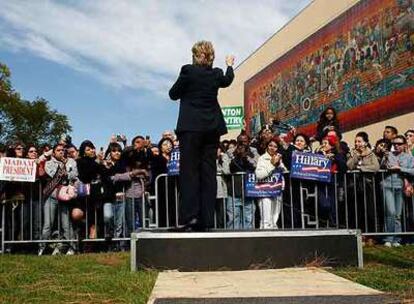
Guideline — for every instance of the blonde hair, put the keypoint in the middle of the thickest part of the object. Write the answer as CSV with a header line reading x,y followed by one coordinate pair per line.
x,y
203,53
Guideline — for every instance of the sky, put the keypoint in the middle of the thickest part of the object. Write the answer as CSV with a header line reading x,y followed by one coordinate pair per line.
x,y
108,65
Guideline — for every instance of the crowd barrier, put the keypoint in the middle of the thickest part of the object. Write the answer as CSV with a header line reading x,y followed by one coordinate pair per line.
x,y
354,200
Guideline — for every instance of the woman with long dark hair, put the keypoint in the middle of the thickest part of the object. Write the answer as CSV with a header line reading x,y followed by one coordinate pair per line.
x,y
199,127
164,194
328,121
91,172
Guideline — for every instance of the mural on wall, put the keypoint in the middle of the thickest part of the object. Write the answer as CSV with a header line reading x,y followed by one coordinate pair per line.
x,y
361,63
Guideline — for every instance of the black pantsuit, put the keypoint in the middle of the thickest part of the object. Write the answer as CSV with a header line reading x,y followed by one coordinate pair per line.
x,y
199,127
198,176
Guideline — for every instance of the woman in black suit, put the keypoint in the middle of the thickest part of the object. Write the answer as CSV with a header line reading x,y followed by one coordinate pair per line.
x,y
199,127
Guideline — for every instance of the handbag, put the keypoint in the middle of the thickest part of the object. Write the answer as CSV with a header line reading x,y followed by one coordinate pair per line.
x,y
66,193
408,188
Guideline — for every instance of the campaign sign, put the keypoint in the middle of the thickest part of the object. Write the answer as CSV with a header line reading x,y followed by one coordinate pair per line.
x,y
311,166
271,186
17,169
173,165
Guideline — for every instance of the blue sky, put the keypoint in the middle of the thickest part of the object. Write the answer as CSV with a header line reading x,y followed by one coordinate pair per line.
x,y
108,65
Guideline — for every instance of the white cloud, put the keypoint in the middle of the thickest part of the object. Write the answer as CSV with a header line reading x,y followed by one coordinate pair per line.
x,y
138,44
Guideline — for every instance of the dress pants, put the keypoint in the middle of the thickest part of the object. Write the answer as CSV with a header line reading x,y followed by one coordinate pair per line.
x,y
198,184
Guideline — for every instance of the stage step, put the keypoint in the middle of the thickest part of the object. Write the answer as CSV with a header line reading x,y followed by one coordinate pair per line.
x,y
241,250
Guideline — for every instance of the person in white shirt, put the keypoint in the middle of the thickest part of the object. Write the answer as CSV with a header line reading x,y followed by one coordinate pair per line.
x,y
267,164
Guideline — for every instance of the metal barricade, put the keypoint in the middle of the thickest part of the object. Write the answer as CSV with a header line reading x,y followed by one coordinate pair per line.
x,y
33,220
354,200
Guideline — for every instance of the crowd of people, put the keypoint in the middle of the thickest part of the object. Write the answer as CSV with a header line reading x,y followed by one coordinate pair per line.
x,y
84,193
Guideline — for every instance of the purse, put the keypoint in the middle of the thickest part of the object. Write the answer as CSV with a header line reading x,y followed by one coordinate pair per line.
x,y
66,193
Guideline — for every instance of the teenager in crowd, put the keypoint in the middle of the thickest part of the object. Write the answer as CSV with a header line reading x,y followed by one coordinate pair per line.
x,y
409,135
267,164
232,145
158,167
221,198
240,209
400,166
362,159
382,149
390,132
72,151
18,221
114,194
328,121
225,145
33,194
301,143
53,204
264,136
331,149
137,159
91,172
199,127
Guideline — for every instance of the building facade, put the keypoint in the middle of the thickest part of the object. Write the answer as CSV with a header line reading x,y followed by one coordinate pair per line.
x,y
356,56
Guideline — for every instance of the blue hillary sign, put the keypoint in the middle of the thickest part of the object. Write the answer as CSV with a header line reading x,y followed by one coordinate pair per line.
x,y
271,186
311,166
173,165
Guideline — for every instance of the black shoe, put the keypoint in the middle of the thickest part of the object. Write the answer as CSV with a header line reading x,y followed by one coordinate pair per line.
x,y
190,226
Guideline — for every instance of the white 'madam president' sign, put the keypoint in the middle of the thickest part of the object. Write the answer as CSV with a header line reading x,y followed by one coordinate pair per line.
x,y
17,169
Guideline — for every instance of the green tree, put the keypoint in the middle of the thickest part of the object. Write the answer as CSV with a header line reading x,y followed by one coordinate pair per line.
x,y
27,121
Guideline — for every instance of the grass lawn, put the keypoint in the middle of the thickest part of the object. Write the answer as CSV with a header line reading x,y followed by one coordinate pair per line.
x,y
105,278
86,278
387,269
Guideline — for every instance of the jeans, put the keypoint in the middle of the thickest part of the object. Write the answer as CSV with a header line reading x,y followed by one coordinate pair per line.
x,y
133,215
114,219
393,209
239,216
50,210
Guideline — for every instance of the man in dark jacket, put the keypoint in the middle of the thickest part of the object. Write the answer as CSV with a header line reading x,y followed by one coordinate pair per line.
x,y
199,127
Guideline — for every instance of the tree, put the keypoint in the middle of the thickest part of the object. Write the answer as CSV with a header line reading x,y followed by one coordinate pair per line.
x,y
27,121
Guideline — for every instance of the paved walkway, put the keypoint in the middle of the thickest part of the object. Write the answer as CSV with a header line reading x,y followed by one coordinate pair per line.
x,y
291,285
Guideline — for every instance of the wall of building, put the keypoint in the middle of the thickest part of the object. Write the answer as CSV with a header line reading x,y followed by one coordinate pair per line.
x,y
307,22
288,46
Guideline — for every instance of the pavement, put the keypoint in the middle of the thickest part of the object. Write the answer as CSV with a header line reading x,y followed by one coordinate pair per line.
x,y
279,286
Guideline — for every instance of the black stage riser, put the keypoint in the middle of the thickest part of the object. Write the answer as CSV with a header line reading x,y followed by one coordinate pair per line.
x,y
245,250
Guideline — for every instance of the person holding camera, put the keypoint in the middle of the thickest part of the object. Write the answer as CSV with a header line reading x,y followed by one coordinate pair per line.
x,y
57,163
199,127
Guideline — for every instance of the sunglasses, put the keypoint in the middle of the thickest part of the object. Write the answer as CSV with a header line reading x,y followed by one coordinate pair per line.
x,y
32,151
18,149
398,144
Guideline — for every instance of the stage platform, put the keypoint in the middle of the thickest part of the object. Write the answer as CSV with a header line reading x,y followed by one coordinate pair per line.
x,y
243,250
273,286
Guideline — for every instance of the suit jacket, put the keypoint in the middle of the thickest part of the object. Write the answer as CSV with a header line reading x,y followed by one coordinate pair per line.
x,y
197,88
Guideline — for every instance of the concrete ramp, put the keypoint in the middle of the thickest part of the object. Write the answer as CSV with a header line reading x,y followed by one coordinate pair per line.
x,y
290,285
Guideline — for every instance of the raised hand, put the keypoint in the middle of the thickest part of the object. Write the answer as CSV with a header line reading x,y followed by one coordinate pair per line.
x,y
229,60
